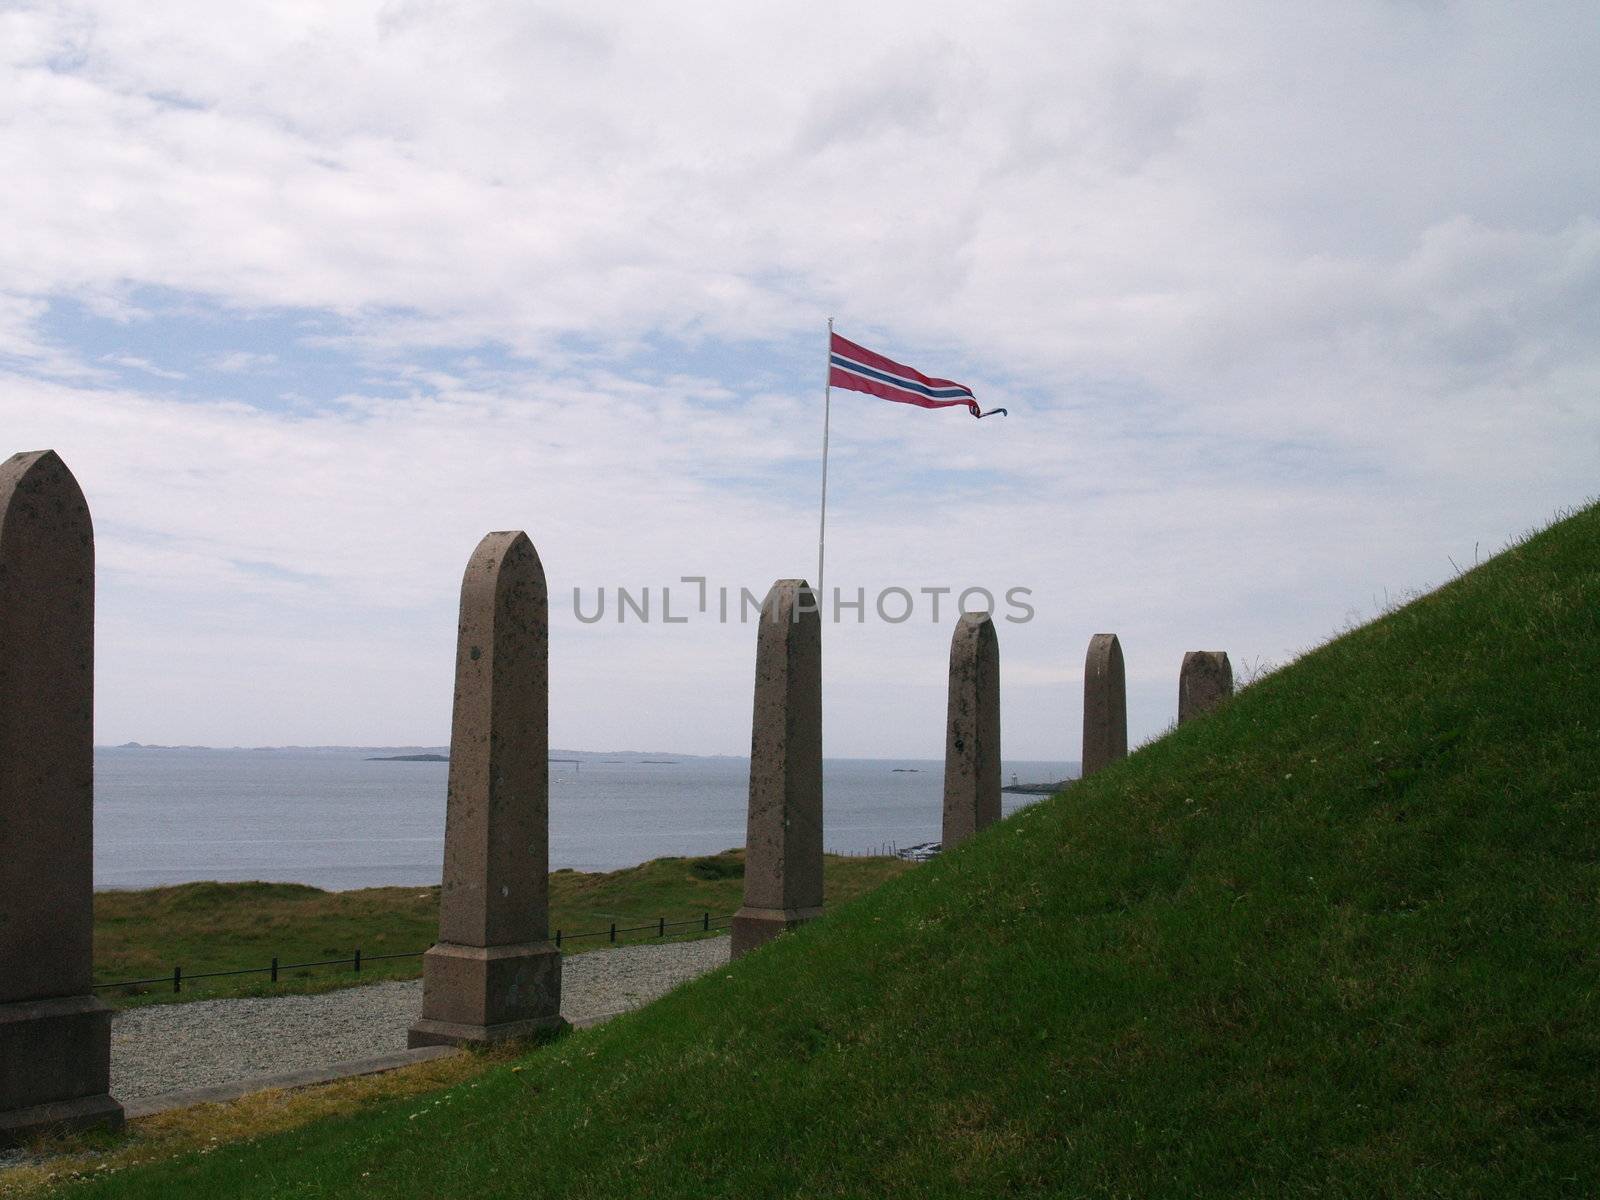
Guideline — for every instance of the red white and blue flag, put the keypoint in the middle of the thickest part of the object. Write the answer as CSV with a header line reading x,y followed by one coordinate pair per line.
x,y
862,370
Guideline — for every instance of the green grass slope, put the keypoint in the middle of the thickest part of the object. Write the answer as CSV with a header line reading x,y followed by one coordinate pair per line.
x,y
1339,938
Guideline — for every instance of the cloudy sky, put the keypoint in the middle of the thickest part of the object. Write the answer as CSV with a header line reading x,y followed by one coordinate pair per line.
x,y
1291,306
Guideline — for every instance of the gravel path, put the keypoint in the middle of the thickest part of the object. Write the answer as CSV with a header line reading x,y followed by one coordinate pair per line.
x,y
172,1047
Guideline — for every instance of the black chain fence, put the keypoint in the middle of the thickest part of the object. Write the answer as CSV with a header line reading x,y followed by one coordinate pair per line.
x,y
703,923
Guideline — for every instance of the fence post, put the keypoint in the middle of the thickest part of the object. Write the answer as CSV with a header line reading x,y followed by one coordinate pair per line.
x,y
661,929
558,939
358,960
613,931
705,923
177,979
274,968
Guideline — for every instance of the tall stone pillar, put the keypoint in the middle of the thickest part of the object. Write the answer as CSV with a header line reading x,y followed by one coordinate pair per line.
x,y
1204,682
493,974
1105,704
55,1036
972,730
783,841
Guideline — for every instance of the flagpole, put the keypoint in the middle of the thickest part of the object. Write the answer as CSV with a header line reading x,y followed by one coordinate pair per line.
x,y
827,408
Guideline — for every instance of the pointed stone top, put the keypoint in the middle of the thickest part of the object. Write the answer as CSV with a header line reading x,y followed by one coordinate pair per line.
x,y
504,558
501,545
33,456
38,473
1105,653
974,633
41,505
790,600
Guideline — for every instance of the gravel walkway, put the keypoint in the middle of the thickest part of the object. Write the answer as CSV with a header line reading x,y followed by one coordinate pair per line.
x,y
172,1047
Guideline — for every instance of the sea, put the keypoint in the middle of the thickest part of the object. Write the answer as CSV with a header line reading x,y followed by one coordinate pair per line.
x,y
337,818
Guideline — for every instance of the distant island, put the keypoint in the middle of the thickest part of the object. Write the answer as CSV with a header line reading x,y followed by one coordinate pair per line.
x,y
411,758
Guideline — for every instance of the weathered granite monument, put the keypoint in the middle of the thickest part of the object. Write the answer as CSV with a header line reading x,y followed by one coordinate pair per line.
x,y
1105,704
55,1036
493,974
1205,681
972,730
783,841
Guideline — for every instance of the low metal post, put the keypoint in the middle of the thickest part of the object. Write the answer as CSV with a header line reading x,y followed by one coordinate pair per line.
x,y
358,960
558,939
177,979
613,931
705,923
274,968
661,928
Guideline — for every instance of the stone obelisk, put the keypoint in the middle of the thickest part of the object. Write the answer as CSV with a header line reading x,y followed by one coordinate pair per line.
x,y
493,974
55,1036
972,730
1105,704
783,842
1204,681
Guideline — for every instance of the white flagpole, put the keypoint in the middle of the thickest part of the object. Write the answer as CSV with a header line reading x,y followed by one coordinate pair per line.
x,y
827,407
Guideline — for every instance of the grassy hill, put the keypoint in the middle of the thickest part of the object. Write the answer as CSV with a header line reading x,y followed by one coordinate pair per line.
x,y
1340,938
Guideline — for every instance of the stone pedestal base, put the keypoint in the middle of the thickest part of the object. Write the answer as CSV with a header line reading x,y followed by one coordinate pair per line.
x,y
424,1032
55,1068
754,927
488,993
66,1116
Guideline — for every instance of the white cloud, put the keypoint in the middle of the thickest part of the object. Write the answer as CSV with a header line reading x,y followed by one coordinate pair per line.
x,y
1288,303
143,365
241,362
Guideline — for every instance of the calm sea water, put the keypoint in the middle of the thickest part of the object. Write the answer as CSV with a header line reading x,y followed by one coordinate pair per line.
x,y
332,819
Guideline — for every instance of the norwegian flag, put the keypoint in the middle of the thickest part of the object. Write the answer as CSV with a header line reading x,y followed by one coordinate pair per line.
x,y
862,370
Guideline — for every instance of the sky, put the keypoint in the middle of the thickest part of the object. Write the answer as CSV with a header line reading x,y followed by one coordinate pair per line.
x,y
1295,309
